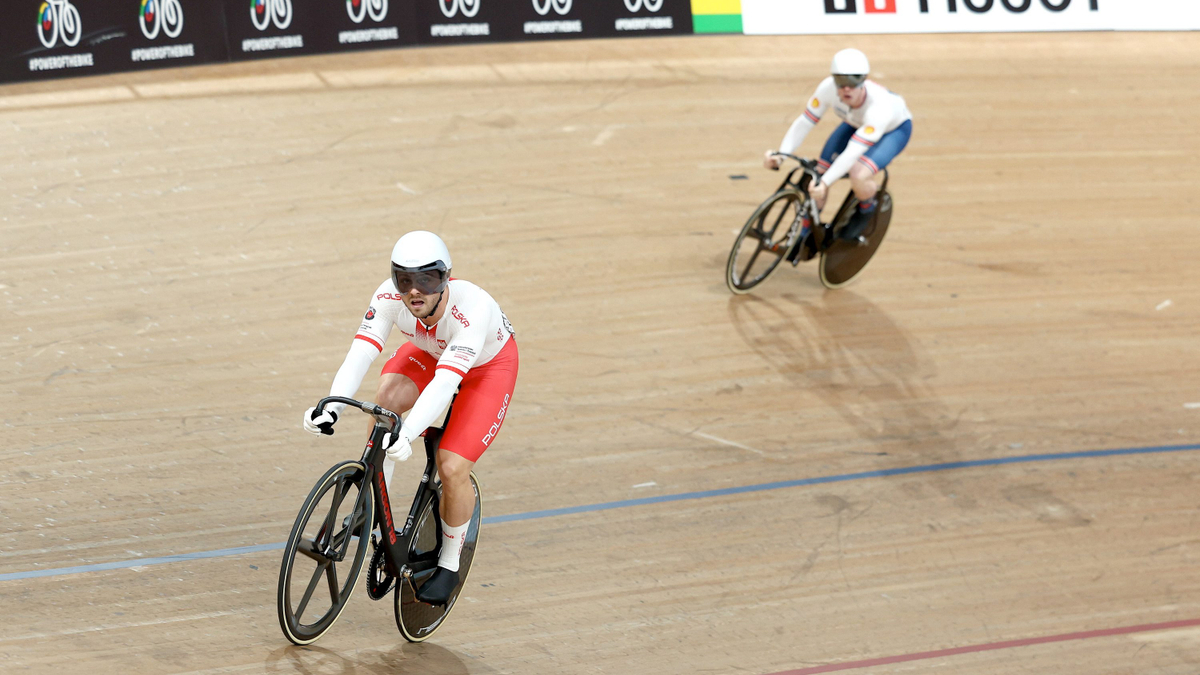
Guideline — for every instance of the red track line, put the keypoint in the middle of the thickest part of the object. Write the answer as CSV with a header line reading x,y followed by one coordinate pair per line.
x,y
990,646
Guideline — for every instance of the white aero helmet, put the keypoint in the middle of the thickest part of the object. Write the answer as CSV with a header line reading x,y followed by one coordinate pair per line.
x,y
849,68
420,259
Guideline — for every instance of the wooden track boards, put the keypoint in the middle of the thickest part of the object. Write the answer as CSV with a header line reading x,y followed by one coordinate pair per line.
x,y
185,255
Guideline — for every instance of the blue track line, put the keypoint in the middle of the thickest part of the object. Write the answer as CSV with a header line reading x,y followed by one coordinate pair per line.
x,y
645,501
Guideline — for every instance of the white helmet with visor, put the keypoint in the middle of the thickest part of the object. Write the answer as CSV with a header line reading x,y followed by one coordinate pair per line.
x,y
849,68
420,260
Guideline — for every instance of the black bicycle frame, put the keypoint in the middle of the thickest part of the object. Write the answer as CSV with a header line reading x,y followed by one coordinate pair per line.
x,y
397,543
809,169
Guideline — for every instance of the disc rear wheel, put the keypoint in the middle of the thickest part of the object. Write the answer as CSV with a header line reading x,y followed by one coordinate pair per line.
x,y
844,260
415,619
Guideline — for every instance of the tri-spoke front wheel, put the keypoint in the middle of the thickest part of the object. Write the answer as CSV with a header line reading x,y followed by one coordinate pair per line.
x,y
325,553
770,233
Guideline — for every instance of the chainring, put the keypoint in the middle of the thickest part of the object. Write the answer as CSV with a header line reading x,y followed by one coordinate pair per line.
x,y
379,582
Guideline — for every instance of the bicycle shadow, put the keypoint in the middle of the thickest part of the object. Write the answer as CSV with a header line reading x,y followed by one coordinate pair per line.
x,y
857,360
423,657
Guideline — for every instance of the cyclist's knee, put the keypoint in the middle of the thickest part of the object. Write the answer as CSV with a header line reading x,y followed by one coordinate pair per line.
x,y
860,174
396,393
453,469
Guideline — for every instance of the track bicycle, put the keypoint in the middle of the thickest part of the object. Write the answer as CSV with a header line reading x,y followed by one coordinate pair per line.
x,y
327,547
788,226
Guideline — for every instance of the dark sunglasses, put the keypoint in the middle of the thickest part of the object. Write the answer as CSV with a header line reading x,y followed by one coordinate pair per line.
x,y
849,80
428,279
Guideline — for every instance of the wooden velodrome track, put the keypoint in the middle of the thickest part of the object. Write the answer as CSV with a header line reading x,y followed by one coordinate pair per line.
x,y
185,256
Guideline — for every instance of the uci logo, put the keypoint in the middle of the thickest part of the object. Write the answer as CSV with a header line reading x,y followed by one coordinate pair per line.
x,y
359,9
560,6
59,18
450,7
650,5
263,12
166,15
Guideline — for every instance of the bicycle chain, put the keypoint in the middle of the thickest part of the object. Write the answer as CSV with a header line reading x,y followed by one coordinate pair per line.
x,y
377,589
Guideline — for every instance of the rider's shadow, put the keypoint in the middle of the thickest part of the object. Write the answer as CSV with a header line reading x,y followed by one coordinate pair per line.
x,y
842,348
424,658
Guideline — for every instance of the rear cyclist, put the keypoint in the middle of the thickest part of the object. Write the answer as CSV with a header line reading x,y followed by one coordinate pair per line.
x,y
458,338
876,126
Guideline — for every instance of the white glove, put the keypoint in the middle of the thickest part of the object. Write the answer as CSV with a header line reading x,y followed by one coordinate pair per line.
x,y
319,424
398,447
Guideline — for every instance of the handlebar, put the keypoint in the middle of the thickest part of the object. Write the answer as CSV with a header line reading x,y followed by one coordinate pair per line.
x,y
808,164
365,406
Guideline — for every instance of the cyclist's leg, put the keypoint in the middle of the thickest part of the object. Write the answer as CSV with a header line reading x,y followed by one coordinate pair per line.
x,y
479,411
834,146
876,158
862,176
404,377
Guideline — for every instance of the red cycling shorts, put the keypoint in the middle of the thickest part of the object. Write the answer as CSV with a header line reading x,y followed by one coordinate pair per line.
x,y
483,395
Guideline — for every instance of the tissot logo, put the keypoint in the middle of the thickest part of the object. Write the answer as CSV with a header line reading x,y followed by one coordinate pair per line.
x,y
977,6
59,19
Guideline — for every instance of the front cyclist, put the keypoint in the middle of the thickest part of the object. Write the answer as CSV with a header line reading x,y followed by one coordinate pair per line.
x,y
876,126
458,338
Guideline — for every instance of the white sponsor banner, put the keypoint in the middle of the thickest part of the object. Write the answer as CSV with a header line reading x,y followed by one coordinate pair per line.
x,y
767,17
1157,15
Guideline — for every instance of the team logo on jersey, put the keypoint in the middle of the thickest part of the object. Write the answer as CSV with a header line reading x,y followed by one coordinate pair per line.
x,y
441,344
869,130
459,315
370,314
816,103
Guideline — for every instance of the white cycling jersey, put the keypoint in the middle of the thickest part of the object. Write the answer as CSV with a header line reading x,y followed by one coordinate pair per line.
x,y
471,332
882,111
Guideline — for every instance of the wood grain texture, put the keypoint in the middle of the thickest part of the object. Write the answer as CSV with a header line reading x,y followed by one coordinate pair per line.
x,y
184,256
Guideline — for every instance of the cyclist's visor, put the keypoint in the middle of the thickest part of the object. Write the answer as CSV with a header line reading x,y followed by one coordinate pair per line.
x,y
428,279
849,80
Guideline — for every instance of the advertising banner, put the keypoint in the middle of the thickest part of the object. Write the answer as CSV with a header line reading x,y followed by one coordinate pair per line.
x,y
365,24
63,38
450,21
766,17
456,21
649,17
1158,15
260,29
557,19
